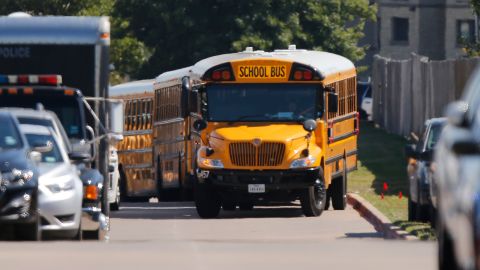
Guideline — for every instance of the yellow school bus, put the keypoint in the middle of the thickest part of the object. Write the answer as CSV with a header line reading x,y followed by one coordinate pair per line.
x,y
254,127
135,151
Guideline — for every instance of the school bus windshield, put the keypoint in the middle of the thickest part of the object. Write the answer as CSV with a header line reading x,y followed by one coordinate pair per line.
x,y
262,103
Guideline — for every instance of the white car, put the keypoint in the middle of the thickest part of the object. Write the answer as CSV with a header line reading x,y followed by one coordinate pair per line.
x,y
60,188
367,102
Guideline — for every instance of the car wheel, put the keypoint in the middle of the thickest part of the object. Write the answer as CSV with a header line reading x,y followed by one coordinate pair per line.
x,y
412,209
246,206
207,201
79,235
313,199
446,256
115,206
229,206
98,234
29,232
339,190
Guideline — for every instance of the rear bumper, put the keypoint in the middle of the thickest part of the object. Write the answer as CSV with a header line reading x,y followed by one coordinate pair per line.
x,y
273,180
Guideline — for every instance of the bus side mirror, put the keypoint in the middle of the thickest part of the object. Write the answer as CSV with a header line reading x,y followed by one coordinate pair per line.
x,y
193,102
309,125
186,89
332,102
199,125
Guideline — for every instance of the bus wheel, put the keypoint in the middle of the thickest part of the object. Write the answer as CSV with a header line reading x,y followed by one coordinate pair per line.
x,y
207,201
339,190
246,206
229,205
313,199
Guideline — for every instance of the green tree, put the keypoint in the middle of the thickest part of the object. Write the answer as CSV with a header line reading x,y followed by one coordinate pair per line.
x,y
181,32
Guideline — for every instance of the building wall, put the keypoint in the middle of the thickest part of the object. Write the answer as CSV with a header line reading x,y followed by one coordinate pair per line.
x,y
432,28
454,13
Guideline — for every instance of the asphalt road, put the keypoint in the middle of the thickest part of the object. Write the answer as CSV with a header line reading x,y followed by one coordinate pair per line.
x,y
171,236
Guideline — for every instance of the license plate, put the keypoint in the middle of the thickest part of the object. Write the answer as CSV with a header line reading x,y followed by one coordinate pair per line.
x,y
256,188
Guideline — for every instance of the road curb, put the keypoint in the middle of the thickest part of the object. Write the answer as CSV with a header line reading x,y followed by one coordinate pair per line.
x,y
379,221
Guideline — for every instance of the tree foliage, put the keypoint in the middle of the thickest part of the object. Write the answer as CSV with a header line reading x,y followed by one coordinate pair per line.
x,y
181,32
150,37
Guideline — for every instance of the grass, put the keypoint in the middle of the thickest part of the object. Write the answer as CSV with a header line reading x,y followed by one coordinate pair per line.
x,y
382,161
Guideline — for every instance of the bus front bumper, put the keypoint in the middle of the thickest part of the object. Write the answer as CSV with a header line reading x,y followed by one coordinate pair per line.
x,y
273,180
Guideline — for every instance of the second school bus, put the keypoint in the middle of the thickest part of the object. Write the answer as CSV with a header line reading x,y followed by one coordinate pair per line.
x,y
253,127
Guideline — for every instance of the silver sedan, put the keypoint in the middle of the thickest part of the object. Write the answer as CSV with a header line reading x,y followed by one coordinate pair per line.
x,y
60,188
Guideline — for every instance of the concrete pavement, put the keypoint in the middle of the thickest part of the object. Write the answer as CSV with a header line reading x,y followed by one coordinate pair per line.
x,y
169,235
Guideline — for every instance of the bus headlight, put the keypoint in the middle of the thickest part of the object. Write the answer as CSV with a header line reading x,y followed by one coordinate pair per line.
x,y
302,162
211,163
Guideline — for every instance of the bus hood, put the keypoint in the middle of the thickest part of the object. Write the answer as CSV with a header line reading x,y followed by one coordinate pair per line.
x,y
264,132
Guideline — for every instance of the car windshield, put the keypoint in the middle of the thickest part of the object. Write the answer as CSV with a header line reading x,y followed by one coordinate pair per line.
x,y
66,108
9,136
262,102
52,156
434,135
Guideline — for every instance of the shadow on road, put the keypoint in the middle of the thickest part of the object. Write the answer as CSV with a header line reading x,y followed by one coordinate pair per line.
x,y
186,210
362,235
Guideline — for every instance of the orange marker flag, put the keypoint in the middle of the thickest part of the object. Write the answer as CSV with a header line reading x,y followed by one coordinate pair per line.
x,y
385,186
400,195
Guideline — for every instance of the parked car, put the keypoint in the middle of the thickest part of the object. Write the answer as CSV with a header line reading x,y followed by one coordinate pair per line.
x,y
365,100
418,171
18,181
457,172
49,119
60,188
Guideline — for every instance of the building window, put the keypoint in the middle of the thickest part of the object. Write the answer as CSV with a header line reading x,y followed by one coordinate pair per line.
x,y
400,30
465,31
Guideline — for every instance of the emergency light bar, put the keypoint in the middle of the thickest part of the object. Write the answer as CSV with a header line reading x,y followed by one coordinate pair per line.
x,y
49,79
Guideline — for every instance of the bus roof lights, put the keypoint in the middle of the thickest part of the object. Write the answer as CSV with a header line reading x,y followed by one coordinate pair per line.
x,y
31,79
304,73
216,75
226,75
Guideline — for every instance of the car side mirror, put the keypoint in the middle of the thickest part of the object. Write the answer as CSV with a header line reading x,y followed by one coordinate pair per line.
x,y
199,125
456,113
410,151
309,125
35,156
332,102
78,156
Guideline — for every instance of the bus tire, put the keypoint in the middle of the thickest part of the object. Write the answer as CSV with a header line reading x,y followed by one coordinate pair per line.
x,y
313,199
339,190
207,200
229,206
246,206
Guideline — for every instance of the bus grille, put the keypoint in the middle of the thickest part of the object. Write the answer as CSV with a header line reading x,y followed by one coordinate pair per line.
x,y
247,154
